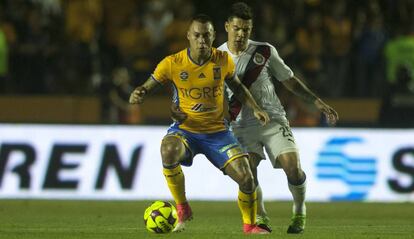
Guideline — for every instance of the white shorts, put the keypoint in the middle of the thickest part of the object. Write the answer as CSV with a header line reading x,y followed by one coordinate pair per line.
x,y
275,138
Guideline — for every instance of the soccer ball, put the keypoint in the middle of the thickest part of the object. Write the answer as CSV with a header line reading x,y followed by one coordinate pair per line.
x,y
160,217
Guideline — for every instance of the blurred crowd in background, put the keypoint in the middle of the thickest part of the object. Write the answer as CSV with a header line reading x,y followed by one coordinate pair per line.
x,y
340,48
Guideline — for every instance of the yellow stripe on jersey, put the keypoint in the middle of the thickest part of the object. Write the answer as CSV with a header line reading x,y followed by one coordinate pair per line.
x,y
200,88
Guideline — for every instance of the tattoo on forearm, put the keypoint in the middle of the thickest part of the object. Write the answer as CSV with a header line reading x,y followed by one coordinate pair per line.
x,y
151,85
241,92
237,89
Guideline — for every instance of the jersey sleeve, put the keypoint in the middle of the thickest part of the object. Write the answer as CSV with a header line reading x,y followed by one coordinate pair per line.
x,y
278,67
162,72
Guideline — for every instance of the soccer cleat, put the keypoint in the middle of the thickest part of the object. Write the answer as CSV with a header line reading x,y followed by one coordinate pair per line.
x,y
253,229
298,224
184,214
263,222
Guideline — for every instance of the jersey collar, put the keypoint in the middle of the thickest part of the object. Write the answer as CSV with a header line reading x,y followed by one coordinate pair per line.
x,y
191,59
241,53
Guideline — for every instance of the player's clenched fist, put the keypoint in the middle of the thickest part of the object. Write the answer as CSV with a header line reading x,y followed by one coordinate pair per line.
x,y
137,96
331,115
262,116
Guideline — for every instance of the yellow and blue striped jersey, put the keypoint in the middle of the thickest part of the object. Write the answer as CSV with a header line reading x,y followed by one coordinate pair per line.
x,y
199,89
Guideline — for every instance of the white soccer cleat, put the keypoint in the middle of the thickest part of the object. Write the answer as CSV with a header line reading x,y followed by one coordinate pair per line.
x,y
180,227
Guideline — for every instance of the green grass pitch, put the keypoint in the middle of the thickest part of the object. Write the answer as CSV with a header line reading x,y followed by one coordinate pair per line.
x,y
123,219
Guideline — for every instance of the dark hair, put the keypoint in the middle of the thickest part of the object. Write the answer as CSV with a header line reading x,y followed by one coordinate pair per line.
x,y
240,10
202,18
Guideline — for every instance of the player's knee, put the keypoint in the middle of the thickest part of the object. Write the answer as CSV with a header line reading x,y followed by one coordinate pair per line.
x,y
171,151
254,160
291,166
295,174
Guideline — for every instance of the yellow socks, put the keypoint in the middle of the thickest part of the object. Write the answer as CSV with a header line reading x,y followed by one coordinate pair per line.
x,y
175,182
248,207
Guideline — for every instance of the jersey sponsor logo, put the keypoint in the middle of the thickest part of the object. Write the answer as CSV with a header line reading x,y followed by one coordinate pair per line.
x,y
203,108
258,59
183,75
217,73
358,173
196,107
201,76
205,92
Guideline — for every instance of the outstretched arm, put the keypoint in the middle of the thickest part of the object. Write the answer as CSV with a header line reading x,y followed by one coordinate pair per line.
x,y
245,97
299,88
138,95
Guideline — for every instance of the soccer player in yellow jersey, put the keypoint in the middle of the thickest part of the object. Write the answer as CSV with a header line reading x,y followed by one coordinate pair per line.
x,y
257,65
197,75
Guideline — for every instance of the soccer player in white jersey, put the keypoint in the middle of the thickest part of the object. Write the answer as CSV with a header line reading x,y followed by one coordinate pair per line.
x,y
256,64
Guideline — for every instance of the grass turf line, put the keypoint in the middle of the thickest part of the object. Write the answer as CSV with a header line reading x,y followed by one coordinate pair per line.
x,y
123,219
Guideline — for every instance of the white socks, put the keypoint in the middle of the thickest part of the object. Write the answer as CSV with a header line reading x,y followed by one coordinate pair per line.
x,y
298,193
261,211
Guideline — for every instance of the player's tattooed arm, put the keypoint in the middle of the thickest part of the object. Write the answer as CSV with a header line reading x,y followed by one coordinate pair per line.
x,y
176,114
245,97
241,92
299,88
139,93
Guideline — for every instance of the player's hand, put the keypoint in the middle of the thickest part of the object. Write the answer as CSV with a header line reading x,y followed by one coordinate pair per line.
x,y
329,112
137,96
262,116
177,115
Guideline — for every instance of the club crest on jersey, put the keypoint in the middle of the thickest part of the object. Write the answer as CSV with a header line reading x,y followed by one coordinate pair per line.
x,y
258,59
183,75
217,73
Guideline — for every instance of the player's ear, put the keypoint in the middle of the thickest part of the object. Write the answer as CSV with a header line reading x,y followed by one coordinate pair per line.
x,y
188,31
226,26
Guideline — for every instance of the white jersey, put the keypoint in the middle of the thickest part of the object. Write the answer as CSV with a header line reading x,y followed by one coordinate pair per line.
x,y
262,89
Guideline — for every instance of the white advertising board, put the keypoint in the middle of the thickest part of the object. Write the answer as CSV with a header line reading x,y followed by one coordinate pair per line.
x,y
123,162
